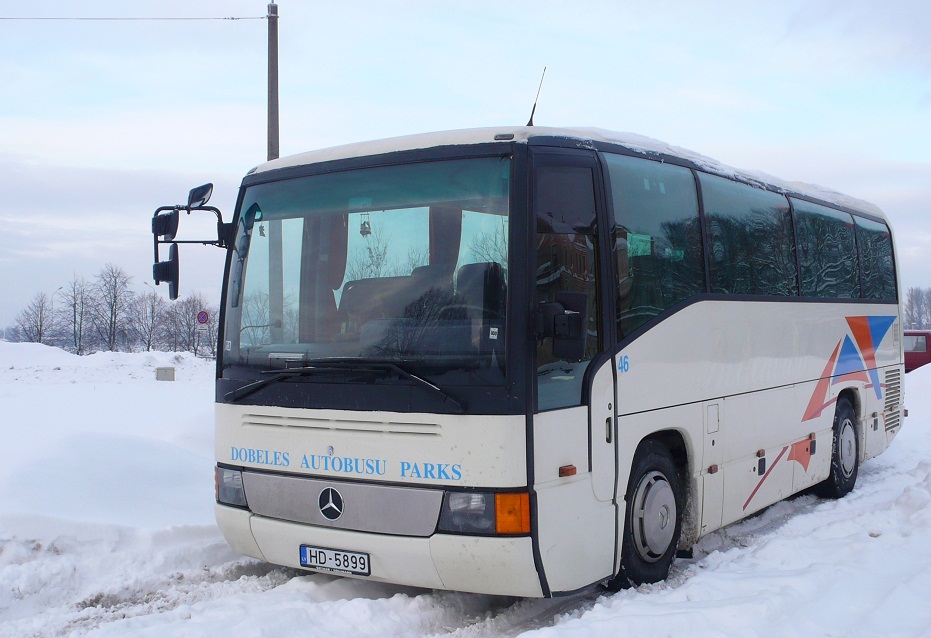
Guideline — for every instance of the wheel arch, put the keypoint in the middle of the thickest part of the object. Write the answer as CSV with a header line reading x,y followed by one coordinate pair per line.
x,y
856,402
853,397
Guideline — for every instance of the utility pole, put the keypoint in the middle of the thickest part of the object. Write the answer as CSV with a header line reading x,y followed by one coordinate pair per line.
x,y
272,81
276,260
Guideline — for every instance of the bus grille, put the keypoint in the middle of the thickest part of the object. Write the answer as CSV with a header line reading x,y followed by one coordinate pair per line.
x,y
344,426
382,509
891,410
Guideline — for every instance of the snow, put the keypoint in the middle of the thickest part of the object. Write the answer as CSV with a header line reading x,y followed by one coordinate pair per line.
x,y
585,135
106,529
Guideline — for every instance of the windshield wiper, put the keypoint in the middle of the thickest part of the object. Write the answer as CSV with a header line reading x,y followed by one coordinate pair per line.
x,y
279,375
447,399
240,393
342,365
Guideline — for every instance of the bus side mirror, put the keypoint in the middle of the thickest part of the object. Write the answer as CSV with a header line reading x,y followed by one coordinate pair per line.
x,y
564,321
165,228
165,224
167,271
199,196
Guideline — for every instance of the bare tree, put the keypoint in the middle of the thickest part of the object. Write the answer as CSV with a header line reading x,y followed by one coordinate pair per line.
x,y
372,260
209,338
924,309
910,310
255,322
146,316
416,257
491,245
34,322
111,296
170,334
181,323
918,308
73,314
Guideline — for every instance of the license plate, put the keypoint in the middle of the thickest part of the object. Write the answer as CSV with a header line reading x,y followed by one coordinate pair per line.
x,y
335,560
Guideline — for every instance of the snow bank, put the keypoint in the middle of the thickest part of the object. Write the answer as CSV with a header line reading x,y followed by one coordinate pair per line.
x,y
34,355
98,439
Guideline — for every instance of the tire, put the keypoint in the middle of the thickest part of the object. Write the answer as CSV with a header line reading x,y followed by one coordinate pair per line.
x,y
653,522
845,453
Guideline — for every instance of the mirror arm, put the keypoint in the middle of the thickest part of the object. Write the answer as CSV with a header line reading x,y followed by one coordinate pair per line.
x,y
212,209
223,230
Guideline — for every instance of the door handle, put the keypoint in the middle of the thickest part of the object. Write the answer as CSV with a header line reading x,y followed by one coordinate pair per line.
x,y
608,430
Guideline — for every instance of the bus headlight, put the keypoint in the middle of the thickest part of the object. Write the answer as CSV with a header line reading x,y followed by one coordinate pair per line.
x,y
229,488
485,513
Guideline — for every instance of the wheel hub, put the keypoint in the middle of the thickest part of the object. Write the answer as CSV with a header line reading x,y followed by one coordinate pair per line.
x,y
847,448
654,516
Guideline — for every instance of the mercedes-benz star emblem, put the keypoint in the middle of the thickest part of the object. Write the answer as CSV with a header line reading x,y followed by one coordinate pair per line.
x,y
331,504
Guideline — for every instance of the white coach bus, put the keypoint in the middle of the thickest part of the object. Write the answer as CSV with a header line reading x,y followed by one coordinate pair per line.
x,y
528,360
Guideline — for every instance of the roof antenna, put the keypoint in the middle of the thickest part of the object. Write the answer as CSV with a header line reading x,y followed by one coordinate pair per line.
x,y
534,110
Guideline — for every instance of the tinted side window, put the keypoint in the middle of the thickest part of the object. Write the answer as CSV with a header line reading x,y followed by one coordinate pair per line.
x,y
827,251
564,199
564,207
657,238
751,239
876,264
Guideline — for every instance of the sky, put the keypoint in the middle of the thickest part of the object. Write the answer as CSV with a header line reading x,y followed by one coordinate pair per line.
x,y
103,121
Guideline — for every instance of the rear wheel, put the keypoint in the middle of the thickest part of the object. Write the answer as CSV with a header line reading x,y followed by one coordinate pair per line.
x,y
653,522
845,453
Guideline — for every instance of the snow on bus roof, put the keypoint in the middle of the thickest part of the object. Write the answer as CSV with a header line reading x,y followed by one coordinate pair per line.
x,y
632,141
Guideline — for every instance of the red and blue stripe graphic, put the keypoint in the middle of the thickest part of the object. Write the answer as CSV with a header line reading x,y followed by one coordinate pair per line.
x,y
853,359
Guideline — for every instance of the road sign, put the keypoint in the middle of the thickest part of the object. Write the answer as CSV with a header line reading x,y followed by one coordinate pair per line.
x,y
202,320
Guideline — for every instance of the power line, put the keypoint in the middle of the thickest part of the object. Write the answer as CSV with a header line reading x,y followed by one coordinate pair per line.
x,y
133,19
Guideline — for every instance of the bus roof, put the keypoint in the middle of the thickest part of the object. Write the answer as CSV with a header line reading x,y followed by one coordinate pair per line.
x,y
593,138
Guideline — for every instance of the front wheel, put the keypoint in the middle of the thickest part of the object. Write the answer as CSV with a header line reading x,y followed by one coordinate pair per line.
x,y
845,453
653,522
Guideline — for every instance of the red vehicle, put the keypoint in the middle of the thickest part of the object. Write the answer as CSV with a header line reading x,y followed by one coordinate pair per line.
x,y
917,352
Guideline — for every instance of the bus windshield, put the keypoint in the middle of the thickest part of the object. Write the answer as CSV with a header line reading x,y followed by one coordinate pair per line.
x,y
402,264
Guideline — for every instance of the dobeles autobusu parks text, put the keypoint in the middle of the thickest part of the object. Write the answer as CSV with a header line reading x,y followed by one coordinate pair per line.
x,y
348,465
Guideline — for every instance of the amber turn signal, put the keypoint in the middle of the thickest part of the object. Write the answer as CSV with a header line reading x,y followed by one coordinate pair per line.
x,y
512,513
